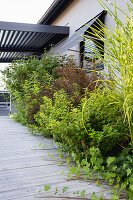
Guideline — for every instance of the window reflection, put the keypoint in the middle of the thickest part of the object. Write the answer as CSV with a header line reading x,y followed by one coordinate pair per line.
x,y
93,49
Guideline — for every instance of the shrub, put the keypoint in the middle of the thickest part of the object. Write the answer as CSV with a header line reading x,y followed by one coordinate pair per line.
x,y
95,134
30,80
62,120
74,81
96,122
50,114
105,117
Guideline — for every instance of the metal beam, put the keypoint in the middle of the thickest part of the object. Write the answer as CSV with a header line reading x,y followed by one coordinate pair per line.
x,y
20,39
9,60
15,49
36,28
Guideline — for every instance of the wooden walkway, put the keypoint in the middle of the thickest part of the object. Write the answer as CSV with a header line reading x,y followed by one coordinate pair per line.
x,y
28,162
4,110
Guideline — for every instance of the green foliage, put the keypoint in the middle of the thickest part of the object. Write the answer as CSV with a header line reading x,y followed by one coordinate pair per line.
x,y
30,80
104,121
96,122
118,171
62,120
18,72
49,117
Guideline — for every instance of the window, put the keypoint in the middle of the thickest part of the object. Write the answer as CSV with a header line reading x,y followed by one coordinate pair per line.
x,y
81,35
91,47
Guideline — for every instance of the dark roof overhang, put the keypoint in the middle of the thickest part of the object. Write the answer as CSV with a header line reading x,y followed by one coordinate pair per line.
x,y
56,8
19,40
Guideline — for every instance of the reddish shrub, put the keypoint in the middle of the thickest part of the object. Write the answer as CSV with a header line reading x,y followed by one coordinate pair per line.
x,y
74,81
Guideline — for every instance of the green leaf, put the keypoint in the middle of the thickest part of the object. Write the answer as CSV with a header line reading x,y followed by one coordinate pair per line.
x,y
44,146
59,163
62,172
68,160
85,178
111,181
114,168
82,194
65,189
69,175
40,144
73,169
56,190
109,175
47,187
128,171
110,160
130,193
131,187
93,197
115,197
123,186
84,162
77,192
61,156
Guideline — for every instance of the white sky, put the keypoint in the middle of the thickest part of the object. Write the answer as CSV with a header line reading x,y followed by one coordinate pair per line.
x,y
25,11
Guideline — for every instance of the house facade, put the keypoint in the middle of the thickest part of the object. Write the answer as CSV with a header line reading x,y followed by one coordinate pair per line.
x,y
79,15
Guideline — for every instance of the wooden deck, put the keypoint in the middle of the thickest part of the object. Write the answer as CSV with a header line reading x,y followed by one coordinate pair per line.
x,y
4,110
28,162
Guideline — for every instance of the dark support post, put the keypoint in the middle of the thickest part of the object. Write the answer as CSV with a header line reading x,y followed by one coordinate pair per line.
x,y
82,54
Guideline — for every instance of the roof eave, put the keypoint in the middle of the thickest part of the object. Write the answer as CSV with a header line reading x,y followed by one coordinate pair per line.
x,y
56,9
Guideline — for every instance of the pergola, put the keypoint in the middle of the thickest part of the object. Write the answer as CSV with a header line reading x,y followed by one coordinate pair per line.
x,y
18,40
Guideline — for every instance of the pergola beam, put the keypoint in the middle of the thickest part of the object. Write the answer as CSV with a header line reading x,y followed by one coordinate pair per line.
x,y
18,40
36,28
8,60
15,49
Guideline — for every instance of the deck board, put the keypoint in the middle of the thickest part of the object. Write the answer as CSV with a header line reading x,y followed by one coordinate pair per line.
x,y
26,166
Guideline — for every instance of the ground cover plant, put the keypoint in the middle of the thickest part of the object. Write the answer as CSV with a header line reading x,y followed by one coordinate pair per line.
x,y
90,119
